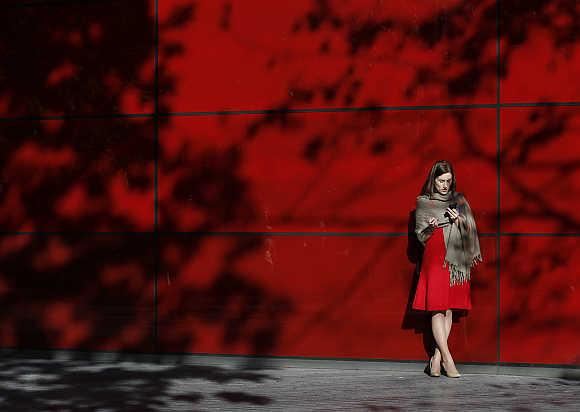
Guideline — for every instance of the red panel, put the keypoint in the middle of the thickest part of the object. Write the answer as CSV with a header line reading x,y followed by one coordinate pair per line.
x,y
306,296
540,169
540,300
77,57
77,175
320,171
474,338
540,51
76,292
257,54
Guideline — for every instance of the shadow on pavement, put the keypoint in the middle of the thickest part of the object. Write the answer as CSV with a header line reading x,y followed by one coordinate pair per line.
x,y
48,384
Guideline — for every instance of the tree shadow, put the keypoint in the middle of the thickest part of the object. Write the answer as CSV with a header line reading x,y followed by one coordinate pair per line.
x,y
542,292
122,385
80,247
89,165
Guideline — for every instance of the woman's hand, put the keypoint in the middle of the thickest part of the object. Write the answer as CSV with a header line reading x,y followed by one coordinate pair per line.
x,y
433,222
453,214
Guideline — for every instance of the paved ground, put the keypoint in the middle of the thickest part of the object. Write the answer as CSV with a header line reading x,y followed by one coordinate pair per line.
x,y
70,385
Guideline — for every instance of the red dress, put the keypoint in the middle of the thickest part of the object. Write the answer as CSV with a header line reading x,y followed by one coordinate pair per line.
x,y
433,290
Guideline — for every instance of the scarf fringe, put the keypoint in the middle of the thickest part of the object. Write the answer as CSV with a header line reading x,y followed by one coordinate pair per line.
x,y
457,276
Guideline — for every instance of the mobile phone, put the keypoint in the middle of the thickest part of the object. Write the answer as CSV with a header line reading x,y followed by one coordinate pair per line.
x,y
451,206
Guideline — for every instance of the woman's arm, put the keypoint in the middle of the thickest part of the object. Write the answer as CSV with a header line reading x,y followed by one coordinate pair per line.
x,y
426,233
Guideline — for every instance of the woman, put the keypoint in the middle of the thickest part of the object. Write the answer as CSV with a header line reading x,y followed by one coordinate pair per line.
x,y
446,227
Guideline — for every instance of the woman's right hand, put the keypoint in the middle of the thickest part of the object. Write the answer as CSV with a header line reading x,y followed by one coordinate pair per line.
x,y
433,222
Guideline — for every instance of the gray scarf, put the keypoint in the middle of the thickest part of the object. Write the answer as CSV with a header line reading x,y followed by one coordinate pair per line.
x,y
461,241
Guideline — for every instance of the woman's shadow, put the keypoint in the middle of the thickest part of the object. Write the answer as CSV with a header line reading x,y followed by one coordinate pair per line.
x,y
418,320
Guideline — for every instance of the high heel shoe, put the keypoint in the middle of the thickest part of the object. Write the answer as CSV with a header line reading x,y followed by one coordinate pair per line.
x,y
434,375
449,375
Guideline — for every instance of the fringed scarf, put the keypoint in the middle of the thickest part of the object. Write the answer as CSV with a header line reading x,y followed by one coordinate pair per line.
x,y
461,241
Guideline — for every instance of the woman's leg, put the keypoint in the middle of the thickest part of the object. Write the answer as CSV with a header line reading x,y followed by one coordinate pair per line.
x,y
448,323
439,322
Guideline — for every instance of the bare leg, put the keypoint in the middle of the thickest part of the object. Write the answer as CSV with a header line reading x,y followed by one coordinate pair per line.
x,y
439,322
448,324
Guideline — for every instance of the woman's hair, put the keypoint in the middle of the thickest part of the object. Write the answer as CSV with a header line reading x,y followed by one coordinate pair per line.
x,y
439,167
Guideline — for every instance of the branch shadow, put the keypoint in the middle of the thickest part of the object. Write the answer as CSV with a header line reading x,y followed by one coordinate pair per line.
x,y
122,385
79,249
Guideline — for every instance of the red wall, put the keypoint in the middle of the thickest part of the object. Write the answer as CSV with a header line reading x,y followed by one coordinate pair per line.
x,y
239,177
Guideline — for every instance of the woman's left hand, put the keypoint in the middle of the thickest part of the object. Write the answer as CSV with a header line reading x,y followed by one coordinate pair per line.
x,y
453,214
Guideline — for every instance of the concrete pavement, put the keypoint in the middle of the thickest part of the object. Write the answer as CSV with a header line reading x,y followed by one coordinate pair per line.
x,y
71,385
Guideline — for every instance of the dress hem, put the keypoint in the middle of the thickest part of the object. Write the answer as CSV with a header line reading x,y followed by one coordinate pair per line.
x,y
437,309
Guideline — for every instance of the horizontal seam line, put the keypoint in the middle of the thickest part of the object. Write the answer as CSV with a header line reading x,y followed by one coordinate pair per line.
x,y
258,233
275,111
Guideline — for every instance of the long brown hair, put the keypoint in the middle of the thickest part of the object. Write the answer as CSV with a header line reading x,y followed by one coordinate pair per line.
x,y
439,167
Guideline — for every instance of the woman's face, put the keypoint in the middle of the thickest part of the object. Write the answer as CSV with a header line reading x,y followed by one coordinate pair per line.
x,y
443,183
